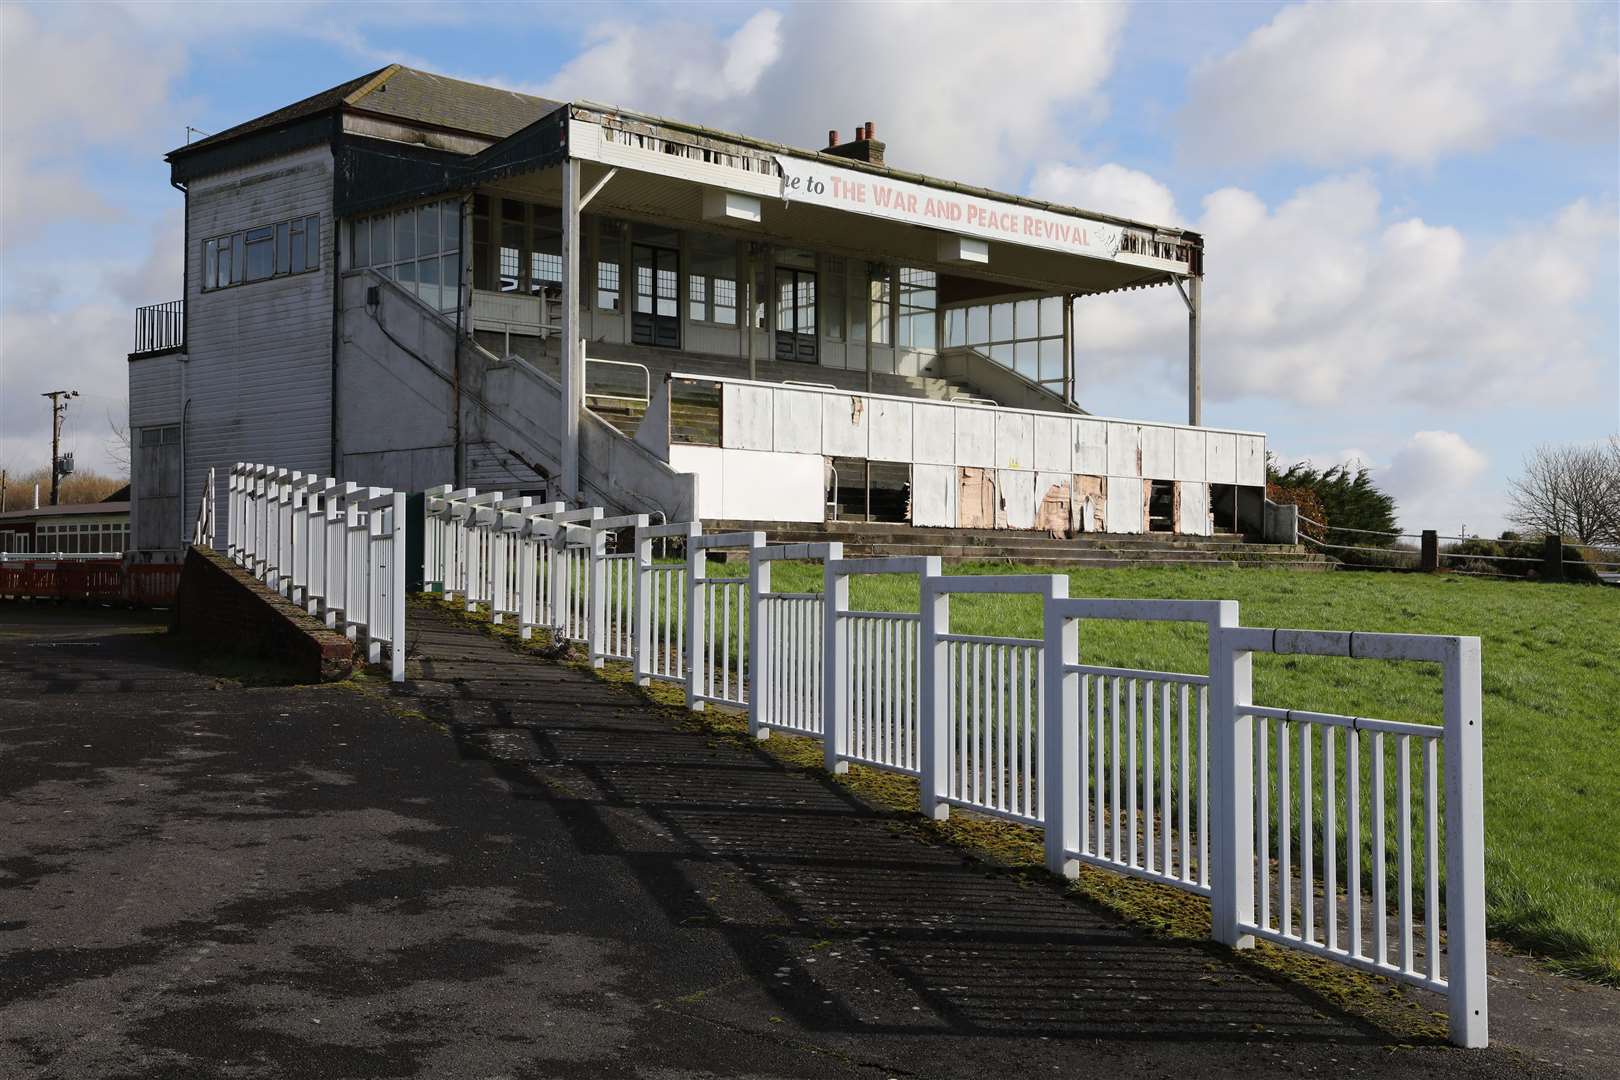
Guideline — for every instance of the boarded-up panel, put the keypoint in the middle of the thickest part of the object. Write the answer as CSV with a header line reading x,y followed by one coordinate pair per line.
x,y
975,437
933,495
1124,509
1053,511
1124,450
705,461
797,421
1090,447
1222,458
844,425
1158,452
772,487
745,417
890,426
1190,451
1089,503
1193,511
1251,460
1015,440
1054,443
1015,505
976,499
933,433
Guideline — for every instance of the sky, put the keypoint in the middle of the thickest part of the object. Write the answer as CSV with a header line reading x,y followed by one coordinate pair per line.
x,y
1410,211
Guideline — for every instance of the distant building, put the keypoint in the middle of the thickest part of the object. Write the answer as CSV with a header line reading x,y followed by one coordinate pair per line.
x,y
78,529
409,280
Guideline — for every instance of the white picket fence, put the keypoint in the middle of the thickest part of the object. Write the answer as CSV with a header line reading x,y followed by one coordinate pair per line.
x,y
333,548
1175,777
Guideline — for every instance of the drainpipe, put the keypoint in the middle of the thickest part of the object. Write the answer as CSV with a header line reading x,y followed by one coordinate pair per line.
x,y
185,412
461,298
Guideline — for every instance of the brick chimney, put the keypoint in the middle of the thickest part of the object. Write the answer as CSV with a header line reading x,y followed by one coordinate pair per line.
x,y
863,147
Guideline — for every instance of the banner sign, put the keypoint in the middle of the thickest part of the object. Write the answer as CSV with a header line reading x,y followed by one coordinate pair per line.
x,y
949,211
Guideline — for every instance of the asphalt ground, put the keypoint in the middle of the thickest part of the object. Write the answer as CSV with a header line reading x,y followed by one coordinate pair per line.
x,y
511,869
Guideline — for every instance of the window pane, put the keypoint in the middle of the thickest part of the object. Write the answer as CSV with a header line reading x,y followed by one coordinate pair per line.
x,y
427,273
382,241
284,248
405,235
427,229
362,243
1051,358
210,271
978,324
1002,354
405,274
1027,359
450,216
312,232
511,257
1052,316
607,266
1001,322
299,249
956,327
1026,324
260,253
238,253
696,295
725,302
450,281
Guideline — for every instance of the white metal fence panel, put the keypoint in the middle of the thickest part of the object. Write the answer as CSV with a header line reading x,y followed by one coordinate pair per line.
x,y
786,692
717,611
661,602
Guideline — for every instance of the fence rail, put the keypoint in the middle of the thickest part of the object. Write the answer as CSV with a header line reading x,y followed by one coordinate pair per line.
x,y
1355,839
335,549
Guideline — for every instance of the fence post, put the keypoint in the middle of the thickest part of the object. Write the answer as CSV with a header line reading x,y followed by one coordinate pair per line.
x,y
1465,846
1429,551
697,569
297,552
1060,739
643,601
1552,559
596,569
834,662
759,643
1231,777
396,592
933,692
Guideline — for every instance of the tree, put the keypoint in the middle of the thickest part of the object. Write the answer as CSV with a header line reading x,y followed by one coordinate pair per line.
x,y
1349,499
1571,491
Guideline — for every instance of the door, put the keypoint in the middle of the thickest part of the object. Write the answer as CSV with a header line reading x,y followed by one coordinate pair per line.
x,y
796,315
655,313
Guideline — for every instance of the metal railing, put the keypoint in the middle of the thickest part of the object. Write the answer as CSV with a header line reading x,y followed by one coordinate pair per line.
x,y
160,326
1175,777
335,549
646,381
202,532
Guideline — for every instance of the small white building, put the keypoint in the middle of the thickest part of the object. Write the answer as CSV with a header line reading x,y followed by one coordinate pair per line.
x,y
410,280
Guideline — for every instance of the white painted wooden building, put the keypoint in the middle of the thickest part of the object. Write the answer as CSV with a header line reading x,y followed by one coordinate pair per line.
x,y
409,280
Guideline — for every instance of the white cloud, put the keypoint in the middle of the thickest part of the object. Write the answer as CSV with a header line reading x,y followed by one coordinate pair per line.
x,y
1434,478
1110,189
1330,84
1321,302
964,90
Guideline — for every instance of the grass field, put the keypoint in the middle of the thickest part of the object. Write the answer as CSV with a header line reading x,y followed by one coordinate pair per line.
x,y
1551,708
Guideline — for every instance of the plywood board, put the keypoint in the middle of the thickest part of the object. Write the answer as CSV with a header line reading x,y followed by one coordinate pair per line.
x,y
1089,503
1158,452
1193,508
890,425
1221,458
772,487
1124,510
1090,447
1015,441
745,417
975,437
1054,443
1190,451
797,421
1124,449
933,433
1251,460
844,425
1053,509
975,499
933,495
1015,504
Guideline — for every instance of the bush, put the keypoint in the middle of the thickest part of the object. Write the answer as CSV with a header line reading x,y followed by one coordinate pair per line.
x,y
1312,518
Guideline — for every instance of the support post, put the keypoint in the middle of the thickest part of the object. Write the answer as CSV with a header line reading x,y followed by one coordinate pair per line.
x,y
1231,777
1068,347
933,691
1465,846
1060,734
596,568
1195,375
1429,551
573,349
759,644
834,663
697,569
396,589
1552,559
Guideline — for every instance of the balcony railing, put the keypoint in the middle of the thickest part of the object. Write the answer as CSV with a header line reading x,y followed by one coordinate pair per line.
x,y
160,327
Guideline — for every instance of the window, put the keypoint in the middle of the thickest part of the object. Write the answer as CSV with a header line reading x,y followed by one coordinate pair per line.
x,y
610,254
1025,335
418,247
262,252
878,320
917,302
712,283
833,296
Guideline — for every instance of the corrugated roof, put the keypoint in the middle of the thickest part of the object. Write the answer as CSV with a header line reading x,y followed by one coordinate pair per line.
x,y
425,98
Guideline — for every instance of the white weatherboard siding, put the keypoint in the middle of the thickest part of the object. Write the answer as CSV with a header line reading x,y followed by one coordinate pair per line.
x,y
260,374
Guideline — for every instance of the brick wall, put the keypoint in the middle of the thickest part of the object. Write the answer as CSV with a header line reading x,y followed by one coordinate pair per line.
x,y
222,609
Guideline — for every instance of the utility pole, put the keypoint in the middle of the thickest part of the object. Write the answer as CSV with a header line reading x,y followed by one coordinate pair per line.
x,y
59,404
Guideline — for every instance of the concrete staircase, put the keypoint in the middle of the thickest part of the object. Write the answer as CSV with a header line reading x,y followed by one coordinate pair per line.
x,y
866,539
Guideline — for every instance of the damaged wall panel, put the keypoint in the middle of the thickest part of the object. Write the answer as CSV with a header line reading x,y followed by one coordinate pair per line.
x,y
933,495
1089,499
890,425
933,433
844,425
1125,501
1192,509
975,499
1015,507
1053,511
1090,447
